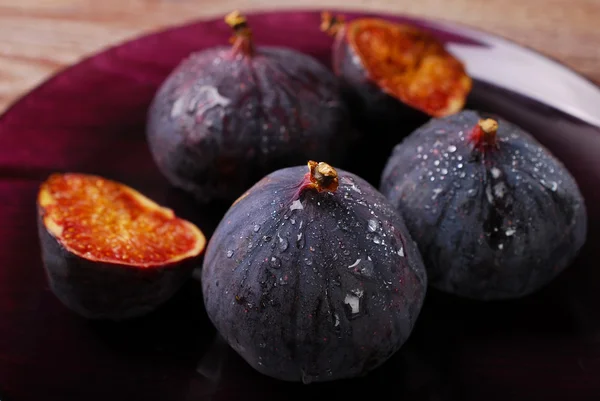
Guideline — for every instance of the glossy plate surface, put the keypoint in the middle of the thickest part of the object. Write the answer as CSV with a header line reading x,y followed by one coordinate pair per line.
x,y
90,118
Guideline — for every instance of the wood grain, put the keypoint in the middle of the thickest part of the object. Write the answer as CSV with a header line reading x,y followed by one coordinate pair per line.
x,y
40,37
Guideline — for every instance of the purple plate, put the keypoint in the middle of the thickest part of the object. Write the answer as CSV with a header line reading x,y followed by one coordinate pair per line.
x,y
90,118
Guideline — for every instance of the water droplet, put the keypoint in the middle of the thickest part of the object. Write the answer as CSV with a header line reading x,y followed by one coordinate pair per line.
x,y
510,232
308,261
267,238
496,172
444,171
275,263
293,221
436,192
459,157
419,149
256,228
229,253
373,225
500,246
436,163
296,205
459,165
283,243
499,190
471,193
300,241
336,320
376,239
354,264
451,148
307,379
432,179
352,299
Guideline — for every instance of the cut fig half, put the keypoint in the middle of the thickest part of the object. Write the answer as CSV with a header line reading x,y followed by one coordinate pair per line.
x,y
110,252
404,61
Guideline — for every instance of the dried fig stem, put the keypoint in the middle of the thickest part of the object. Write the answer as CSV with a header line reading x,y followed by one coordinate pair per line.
x,y
331,24
323,176
484,134
242,37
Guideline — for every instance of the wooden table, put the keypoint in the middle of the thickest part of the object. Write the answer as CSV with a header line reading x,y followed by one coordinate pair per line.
x,y
40,37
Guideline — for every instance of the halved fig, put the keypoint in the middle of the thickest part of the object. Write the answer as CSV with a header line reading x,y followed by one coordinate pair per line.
x,y
110,252
399,60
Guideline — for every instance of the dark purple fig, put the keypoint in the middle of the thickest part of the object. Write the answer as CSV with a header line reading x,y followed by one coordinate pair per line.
x,y
227,116
393,75
494,213
312,275
108,251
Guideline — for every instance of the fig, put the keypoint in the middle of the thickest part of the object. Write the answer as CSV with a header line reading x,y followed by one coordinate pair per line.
x,y
494,213
312,276
109,252
394,78
227,116
386,64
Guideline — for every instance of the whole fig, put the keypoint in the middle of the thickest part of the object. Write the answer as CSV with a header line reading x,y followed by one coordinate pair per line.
x,y
494,213
227,116
312,275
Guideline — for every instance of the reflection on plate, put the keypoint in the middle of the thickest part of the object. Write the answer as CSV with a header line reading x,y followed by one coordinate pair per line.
x,y
90,118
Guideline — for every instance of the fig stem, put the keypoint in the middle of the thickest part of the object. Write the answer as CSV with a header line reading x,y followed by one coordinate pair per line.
x,y
323,176
242,34
488,126
484,133
331,24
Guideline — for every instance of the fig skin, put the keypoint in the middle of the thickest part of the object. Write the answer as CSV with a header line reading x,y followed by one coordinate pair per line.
x,y
310,285
495,216
102,290
227,116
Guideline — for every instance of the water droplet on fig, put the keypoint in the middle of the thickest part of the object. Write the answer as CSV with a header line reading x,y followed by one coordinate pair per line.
x,y
300,241
352,300
510,231
436,192
451,148
267,238
283,243
496,172
256,228
376,239
373,225
229,253
308,261
275,263
401,252
296,205
444,171
307,379
459,165
436,163
471,193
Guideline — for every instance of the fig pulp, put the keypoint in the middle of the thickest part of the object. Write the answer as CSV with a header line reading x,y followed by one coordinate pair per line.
x,y
312,276
109,252
494,213
227,116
